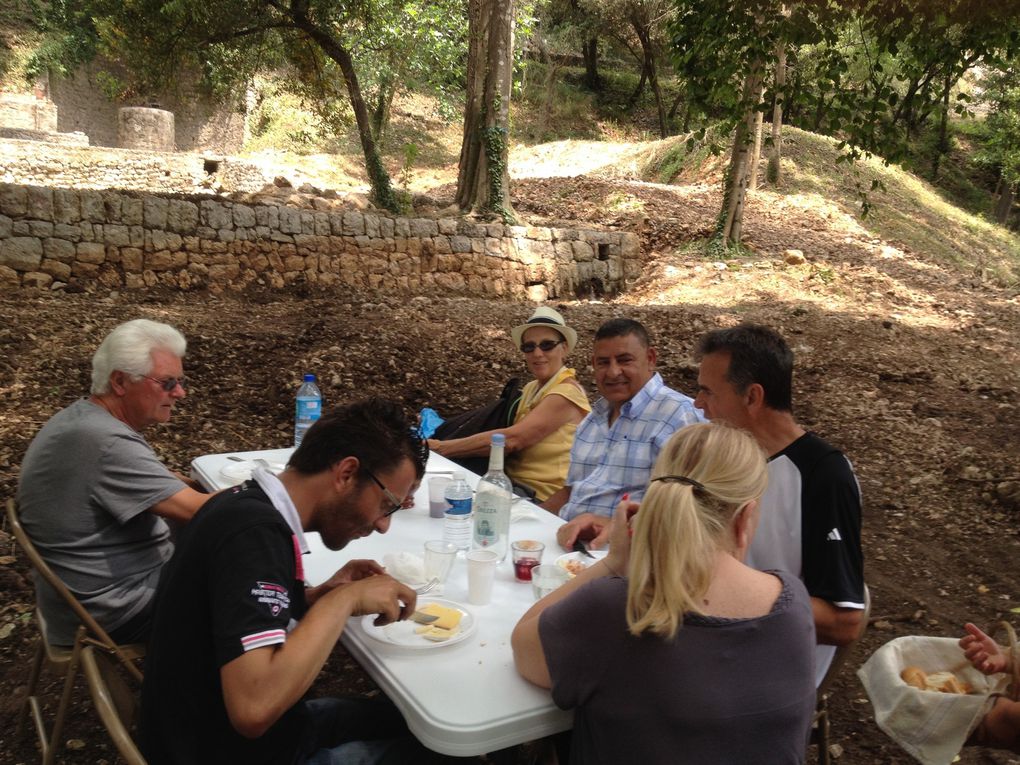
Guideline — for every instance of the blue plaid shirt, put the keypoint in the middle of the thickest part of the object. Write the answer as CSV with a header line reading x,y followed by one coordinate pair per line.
x,y
608,462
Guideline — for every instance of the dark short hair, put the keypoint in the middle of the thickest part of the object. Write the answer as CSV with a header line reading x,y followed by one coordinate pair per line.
x,y
375,430
758,354
621,328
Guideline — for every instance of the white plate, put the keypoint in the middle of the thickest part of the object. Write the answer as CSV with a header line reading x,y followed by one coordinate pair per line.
x,y
569,557
238,472
402,634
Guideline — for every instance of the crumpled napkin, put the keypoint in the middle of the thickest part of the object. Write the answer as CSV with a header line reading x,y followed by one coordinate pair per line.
x,y
406,567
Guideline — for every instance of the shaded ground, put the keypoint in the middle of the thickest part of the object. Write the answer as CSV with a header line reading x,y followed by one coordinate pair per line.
x,y
911,368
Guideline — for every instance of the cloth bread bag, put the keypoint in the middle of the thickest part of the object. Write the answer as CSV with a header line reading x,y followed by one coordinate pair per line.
x,y
929,725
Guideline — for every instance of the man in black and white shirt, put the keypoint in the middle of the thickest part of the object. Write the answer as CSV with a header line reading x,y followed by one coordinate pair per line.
x,y
810,515
237,637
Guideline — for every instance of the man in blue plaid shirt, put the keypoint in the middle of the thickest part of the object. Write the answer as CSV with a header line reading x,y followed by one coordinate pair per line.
x,y
615,446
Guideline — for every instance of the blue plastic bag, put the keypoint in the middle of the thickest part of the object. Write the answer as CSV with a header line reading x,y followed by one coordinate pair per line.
x,y
428,421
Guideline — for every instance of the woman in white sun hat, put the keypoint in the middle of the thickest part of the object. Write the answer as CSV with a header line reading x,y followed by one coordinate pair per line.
x,y
552,405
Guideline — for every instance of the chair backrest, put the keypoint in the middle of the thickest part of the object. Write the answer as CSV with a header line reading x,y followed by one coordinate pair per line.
x,y
843,651
115,701
96,633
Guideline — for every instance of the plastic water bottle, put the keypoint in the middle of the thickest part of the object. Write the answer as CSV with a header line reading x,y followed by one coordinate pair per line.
x,y
492,503
457,526
308,409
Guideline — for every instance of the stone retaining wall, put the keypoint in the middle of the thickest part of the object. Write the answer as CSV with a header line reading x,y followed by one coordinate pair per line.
x,y
53,237
103,168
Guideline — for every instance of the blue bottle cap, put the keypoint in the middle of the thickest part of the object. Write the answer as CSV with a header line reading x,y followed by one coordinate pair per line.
x,y
498,439
309,378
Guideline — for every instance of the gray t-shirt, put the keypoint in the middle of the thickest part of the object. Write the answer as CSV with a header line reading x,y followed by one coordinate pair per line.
x,y
724,691
86,481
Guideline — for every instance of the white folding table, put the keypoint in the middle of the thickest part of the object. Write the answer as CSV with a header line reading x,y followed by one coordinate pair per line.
x,y
463,699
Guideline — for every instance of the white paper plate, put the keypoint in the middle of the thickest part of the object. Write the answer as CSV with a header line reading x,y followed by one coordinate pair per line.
x,y
572,558
402,634
239,472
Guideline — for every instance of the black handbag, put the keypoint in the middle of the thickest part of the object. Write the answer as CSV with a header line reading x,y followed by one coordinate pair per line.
x,y
494,415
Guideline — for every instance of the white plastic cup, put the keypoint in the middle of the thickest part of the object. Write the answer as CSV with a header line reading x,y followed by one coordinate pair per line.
x,y
437,499
546,578
481,575
440,556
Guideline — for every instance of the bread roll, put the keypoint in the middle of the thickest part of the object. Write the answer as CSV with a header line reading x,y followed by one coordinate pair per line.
x,y
942,682
914,676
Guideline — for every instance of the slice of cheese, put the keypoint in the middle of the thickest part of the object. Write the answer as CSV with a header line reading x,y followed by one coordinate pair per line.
x,y
448,619
438,634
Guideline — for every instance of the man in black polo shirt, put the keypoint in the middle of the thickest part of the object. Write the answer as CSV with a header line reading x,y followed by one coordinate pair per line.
x,y
810,515
238,638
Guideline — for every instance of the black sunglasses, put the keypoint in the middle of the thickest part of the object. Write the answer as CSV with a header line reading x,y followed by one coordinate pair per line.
x,y
170,384
397,503
545,346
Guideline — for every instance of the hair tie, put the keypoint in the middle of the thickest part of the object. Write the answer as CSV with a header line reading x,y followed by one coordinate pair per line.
x,y
681,479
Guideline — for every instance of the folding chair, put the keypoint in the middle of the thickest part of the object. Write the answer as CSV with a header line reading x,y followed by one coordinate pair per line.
x,y
61,658
115,701
820,727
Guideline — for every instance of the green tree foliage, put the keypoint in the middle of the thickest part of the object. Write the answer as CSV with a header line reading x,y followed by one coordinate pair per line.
x,y
399,42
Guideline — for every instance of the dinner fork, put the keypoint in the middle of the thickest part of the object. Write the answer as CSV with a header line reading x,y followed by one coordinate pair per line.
x,y
429,586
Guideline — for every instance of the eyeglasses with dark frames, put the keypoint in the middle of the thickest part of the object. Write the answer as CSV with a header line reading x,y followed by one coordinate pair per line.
x,y
169,384
397,503
545,346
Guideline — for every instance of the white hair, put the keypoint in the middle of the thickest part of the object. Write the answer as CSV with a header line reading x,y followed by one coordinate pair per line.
x,y
128,348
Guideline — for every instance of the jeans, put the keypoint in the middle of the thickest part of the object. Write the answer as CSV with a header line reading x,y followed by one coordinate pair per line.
x,y
359,731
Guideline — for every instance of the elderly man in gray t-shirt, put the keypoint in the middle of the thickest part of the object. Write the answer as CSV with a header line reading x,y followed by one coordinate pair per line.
x,y
94,497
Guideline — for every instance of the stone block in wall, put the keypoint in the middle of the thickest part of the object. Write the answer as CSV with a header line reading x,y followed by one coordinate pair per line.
x,y
497,230
290,220
85,270
423,227
215,215
58,249
447,226
23,253
39,203
136,236
68,232
354,223
182,216
402,228
244,216
20,228
460,244
13,200
307,222
582,251
90,252
306,242
442,244
267,216
473,230
9,277
158,261
564,234
293,263
117,235
109,276
93,209
630,245
112,202
631,269
615,270
372,228
493,245
155,212
224,273
387,228
132,259
158,239
40,228
564,252
134,281
66,206
226,235
6,226
131,213
36,279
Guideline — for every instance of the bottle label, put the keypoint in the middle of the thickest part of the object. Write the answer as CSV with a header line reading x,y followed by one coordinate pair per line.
x,y
308,408
459,506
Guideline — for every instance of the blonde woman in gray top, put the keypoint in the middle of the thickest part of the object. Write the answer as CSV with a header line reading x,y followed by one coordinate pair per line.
x,y
671,649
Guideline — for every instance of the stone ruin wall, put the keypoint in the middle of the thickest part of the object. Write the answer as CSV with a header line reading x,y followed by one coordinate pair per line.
x,y
54,237
82,167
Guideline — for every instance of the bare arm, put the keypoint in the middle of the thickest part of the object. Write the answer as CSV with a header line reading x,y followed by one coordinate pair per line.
x,y
556,500
1001,726
262,684
984,653
835,625
552,413
529,657
180,507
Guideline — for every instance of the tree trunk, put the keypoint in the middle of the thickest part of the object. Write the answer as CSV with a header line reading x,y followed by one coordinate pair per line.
x,y
644,34
483,179
735,190
382,190
383,105
1004,206
759,119
776,154
640,86
942,145
590,51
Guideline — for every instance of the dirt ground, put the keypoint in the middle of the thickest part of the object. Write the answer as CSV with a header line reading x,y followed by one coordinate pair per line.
x,y
911,368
